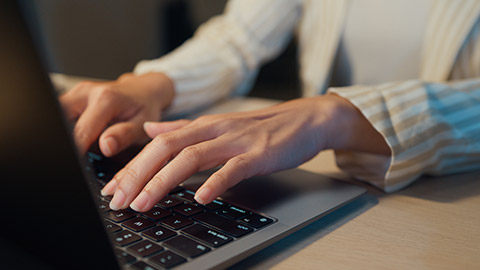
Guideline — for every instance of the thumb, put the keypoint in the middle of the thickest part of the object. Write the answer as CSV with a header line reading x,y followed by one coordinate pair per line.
x,y
155,128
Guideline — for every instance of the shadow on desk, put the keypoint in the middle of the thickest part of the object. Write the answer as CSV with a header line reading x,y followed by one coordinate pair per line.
x,y
295,242
445,189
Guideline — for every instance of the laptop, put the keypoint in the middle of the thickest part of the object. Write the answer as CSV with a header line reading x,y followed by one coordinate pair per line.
x,y
53,216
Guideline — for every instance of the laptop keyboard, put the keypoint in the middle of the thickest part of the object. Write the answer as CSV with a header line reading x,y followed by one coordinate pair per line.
x,y
176,230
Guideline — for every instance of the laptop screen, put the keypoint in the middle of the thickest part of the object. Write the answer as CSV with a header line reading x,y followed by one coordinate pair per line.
x,y
47,212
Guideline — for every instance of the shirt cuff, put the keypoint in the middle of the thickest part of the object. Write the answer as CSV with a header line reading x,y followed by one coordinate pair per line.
x,y
372,168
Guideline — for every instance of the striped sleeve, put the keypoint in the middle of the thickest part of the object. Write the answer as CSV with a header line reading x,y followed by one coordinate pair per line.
x,y
431,129
225,53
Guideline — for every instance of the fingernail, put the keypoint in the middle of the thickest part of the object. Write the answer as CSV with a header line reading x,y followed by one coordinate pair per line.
x,y
111,146
146,124
118,200
139,203
202,196
109,189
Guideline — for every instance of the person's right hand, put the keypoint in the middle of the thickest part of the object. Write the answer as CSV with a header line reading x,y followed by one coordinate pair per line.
x,y
114,112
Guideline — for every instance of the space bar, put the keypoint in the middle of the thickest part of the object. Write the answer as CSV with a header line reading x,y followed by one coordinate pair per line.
x,y
228,226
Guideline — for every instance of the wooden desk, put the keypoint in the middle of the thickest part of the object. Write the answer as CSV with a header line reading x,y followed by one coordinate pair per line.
x,y
432,224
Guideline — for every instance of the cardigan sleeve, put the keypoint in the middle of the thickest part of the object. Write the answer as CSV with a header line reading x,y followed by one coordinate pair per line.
x,y
431,129
224,55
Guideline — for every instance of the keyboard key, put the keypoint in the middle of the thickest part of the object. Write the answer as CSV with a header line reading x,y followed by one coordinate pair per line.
x,y
215,205
138,224
93,157
103,206
168,259
233,212
229,226
124,238
159,233
111,228
145,248
211,237
187,209
123,257
120,215
107,198
187,246
256,221
99,196
176,222
187,195
142,266
103,176
157,213
169,201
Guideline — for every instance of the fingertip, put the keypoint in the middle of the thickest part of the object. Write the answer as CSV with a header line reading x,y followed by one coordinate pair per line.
x,y
148,127
109,146
109,189
140,203
203,195
118,200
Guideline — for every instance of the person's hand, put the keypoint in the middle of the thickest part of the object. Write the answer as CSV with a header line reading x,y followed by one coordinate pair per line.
x,y
246,144
114,112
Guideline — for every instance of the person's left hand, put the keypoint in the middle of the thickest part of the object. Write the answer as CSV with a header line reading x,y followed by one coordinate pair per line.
x,y
246,144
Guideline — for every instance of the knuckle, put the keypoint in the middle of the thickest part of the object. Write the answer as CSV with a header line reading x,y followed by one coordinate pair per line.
x,y
130,173
127,132
241,164
125,76
216,123
81,135
265,161
118,176
191,153
221,180
157,184
204,119
84,85
162,141
209,120
106,93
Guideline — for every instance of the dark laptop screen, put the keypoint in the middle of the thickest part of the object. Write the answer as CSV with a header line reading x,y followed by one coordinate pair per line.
x,y
48,215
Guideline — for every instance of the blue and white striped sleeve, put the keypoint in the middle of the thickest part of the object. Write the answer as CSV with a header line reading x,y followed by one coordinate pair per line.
x,y
431,129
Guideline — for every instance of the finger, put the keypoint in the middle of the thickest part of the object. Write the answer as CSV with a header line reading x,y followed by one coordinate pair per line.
x,y
151,159
191,159
73,103
92,122
235,170
122,135
111,186
125,76
155,128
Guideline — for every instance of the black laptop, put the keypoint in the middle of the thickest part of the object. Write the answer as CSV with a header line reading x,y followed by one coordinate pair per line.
x,y
53,216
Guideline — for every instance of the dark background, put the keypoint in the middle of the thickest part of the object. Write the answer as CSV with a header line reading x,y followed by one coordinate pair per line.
x,y
105,38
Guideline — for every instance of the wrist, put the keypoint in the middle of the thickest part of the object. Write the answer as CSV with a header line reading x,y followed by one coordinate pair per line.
x,y
154,86
161,85
350,130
